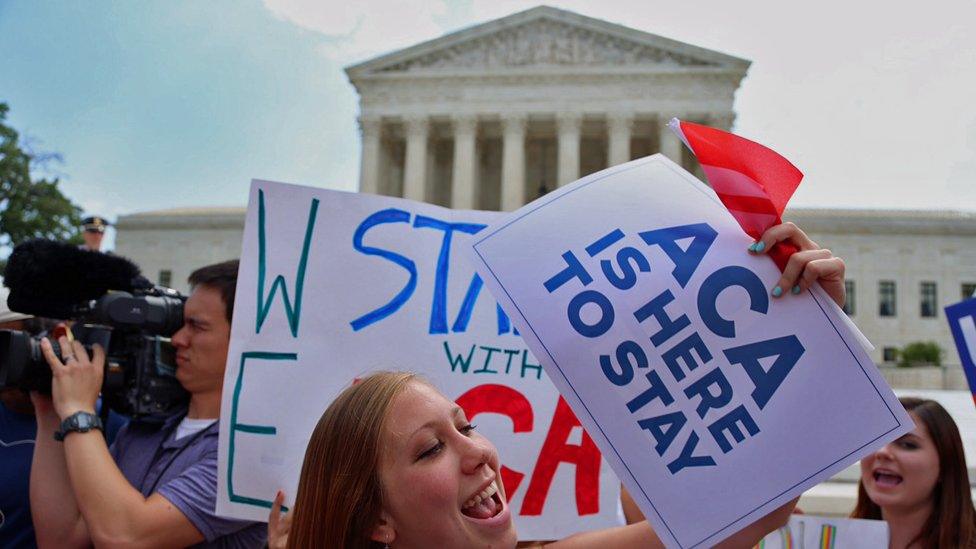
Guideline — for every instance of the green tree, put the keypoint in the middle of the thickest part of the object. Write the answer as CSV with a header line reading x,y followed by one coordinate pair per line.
x,y
920,352
30,208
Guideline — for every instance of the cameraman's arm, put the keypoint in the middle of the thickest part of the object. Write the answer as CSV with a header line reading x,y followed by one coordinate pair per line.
x,y
57,521
114,512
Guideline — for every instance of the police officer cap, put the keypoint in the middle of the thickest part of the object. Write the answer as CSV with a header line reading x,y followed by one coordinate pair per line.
x,y
95,224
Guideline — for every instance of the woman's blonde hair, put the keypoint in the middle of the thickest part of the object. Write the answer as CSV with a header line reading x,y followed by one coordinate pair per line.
x,y
339,494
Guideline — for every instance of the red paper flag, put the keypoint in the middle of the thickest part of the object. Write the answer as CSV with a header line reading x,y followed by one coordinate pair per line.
x,y
754,182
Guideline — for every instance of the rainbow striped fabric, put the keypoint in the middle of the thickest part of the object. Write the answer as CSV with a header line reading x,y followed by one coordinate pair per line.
x,y
828,536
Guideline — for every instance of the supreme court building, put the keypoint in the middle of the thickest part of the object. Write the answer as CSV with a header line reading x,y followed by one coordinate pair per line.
x,y
495,115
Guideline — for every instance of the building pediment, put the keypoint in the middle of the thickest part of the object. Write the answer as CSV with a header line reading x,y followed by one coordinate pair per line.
x,y
545,38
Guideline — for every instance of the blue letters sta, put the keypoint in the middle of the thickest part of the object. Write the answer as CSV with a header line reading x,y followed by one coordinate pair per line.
x,y
438,323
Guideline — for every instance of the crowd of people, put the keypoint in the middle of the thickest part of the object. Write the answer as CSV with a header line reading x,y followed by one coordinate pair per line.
x,y
432,481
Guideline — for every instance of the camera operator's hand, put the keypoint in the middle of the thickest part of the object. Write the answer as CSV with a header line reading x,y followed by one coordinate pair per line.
x,y
77,380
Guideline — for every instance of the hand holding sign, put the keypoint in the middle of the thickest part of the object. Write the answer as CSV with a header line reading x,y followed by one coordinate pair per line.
x,y
279,523
809,265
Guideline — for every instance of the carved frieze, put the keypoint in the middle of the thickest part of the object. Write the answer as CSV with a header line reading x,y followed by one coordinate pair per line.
x,y
448,94
546,43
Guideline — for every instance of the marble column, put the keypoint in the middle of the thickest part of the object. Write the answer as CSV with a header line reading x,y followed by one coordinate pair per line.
x,y
568,125
369,166
619,126
463,179
513,161
670,143
722,120
415,170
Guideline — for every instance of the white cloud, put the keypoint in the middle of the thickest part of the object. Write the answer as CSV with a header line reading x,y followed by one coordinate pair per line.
x,y
358,30
872,99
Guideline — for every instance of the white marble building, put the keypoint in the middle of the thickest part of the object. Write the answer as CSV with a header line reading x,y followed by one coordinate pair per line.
x,y
493,116
168,245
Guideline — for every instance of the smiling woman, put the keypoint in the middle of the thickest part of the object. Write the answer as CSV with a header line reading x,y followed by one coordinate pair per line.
x,y
393,462
919,483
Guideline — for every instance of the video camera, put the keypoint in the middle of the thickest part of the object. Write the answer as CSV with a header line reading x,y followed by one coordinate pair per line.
x,y
110,304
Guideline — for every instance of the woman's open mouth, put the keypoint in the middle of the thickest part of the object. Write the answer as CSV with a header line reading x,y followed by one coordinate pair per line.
x,y
485,504
887,479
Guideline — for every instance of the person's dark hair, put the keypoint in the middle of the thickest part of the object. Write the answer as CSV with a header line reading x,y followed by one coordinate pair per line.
x,y
339,492
221,277
953,519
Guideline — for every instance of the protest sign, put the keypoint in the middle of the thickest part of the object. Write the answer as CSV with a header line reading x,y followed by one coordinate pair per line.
x,y
714,403
962,322
333,285
808,532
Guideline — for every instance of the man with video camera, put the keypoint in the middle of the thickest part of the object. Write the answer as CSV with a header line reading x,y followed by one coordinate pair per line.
x,y
157,485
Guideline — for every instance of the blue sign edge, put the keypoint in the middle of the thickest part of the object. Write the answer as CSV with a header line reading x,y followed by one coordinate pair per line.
x,y
954,313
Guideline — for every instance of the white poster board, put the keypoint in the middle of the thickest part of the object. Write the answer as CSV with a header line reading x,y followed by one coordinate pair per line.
x,y
334,285
714,402
809,532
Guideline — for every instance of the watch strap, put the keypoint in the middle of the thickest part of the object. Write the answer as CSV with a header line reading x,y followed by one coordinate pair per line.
x,y
79,422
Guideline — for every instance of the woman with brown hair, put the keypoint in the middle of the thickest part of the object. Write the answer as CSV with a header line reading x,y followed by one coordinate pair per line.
x,y
919,483
393,462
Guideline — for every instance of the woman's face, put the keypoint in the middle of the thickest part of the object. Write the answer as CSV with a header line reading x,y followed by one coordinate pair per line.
x,y
903,474
441,485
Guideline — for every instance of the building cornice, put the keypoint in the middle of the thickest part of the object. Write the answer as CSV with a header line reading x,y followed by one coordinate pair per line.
x,y
883,222
184,218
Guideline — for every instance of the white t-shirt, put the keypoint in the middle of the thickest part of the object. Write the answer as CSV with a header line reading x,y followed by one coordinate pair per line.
x,y
189,426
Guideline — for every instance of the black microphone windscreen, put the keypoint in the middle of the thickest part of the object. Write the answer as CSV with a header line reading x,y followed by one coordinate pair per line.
x,y
48,278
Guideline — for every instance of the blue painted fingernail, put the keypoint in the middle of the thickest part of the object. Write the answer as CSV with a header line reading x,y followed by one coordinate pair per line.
x,y
777,291
760,246
795,290
752,247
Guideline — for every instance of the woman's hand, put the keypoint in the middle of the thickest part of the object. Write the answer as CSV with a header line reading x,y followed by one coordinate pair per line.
x,y
77,380
811,264
279,524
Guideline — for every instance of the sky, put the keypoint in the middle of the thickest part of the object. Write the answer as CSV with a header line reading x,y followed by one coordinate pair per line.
x,y
157,105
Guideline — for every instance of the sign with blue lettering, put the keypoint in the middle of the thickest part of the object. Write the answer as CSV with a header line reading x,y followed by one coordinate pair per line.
x,y
334,285
962,322
714,403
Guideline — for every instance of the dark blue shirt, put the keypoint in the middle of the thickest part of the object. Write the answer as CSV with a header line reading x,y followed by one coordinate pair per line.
x,y
17,435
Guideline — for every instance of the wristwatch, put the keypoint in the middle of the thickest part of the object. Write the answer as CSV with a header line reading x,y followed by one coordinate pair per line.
x,y
81,422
